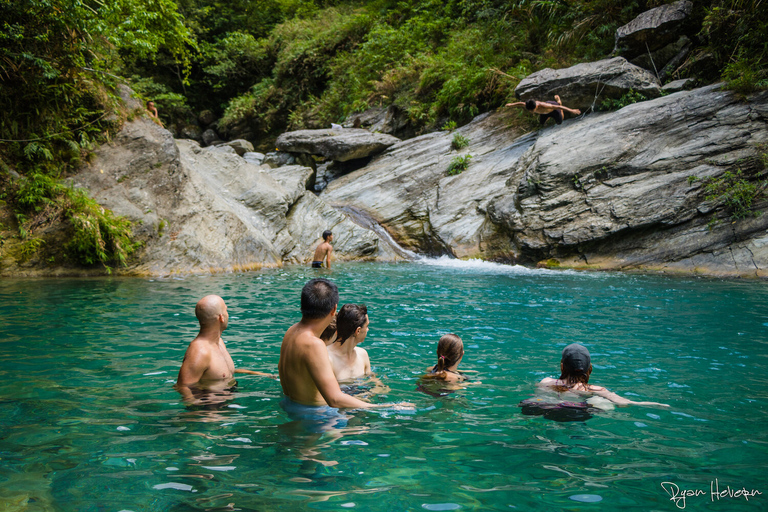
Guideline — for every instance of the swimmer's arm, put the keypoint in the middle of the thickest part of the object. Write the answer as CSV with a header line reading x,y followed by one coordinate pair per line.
x,y
329,257
254,372
618,400
516,104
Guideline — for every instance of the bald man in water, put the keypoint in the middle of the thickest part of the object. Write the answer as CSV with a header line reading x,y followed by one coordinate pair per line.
x,y
207,364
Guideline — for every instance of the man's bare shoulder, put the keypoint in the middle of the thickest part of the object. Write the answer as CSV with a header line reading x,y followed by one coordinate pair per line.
x,y
198,346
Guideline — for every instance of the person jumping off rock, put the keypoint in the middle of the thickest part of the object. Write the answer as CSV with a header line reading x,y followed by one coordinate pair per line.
x,y
546,109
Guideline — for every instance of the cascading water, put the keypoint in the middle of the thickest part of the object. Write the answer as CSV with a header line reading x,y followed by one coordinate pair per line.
x,y
364,220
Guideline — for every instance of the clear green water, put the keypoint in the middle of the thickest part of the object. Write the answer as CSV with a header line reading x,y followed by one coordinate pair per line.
x,y
89,420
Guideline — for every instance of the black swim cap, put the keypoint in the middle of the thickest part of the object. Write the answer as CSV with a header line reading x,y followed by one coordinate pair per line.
x,y
576,359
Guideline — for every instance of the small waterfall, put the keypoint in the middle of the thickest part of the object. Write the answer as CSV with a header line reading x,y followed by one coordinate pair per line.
x,y
364,220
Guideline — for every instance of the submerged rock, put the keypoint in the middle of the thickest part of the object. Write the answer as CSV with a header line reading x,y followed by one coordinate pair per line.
x,y
584,85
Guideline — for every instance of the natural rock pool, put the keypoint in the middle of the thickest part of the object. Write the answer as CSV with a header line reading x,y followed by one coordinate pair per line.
x,y
89,420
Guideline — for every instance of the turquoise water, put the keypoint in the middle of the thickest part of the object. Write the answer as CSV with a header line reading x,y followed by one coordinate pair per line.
x,y
89,420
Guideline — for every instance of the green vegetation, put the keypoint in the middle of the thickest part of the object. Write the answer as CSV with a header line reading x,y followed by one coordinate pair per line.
x,y
459,141
735,34
58,60
458,165
735,192
631,97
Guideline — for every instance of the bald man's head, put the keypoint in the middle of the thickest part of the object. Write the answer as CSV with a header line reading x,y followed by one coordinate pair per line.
x,y
208,310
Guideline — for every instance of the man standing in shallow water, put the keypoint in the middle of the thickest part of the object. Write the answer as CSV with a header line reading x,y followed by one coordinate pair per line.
x,y
207,365
324,251
305,370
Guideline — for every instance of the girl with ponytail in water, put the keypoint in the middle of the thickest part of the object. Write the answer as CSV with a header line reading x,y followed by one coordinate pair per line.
x,y
450,350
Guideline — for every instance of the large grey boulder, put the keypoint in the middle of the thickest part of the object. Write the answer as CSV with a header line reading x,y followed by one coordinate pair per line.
x,y
611,191
340,144
202,210
653,29
586,85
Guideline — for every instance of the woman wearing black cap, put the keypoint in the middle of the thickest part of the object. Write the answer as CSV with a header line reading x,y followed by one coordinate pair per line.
x,y
575,369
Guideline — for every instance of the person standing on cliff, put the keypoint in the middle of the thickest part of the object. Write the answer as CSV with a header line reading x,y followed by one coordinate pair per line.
x,y
546,109
324,251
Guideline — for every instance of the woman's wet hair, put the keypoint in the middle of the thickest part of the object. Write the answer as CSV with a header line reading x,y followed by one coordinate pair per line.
x,y
576,365
349,318
530,104
318,298
450,348
330,330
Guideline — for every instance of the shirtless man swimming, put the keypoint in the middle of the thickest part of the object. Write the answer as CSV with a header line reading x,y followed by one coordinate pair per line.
x,y
305,370
207,365
324,251
347,359
546,109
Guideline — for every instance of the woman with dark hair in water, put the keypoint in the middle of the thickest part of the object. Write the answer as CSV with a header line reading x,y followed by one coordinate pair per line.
x,y
575,369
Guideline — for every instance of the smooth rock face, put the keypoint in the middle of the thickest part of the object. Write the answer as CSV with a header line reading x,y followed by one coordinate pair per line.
x,y
200,210
340,144
607,191
584,85
408,191
652,29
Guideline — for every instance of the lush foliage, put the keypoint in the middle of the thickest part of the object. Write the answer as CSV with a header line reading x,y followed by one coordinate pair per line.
x,y
57,59
736,34
631,97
